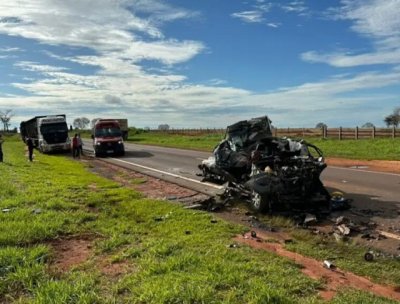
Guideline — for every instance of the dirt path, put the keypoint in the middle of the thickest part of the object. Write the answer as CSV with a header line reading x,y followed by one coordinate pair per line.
x,y
334,278
372,165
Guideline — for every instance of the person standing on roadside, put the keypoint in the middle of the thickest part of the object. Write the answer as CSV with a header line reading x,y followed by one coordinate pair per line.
x,y
80,145
75,146
29,143
1,148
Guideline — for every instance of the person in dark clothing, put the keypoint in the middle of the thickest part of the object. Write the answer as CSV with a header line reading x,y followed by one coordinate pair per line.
x,y
80,145
1,148
75,146
29,143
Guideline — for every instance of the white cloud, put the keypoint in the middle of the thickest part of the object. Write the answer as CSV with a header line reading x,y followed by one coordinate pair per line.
x,y
10,49
166,51
255,16
348,60
376,20
295,6
151,99
217,82
274,25
259,12
107,26
36,67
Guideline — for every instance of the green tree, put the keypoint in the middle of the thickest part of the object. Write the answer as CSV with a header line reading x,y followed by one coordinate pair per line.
x,y
321,125
81,123
368,125
5,118
394,118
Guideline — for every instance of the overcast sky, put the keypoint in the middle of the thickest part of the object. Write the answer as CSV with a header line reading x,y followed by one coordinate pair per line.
x,y
201,63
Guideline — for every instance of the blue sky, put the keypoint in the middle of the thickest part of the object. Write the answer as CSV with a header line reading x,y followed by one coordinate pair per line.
x,y
205,63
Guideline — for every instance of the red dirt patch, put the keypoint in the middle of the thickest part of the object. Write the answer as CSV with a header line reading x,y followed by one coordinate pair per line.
x,y
334,278
115,269
70,252
392,166
151,187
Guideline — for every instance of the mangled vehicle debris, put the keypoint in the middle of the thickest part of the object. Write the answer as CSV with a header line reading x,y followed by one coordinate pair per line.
x,y
270,172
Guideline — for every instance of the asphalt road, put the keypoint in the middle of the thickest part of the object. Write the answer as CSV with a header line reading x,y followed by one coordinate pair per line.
x,y
180,166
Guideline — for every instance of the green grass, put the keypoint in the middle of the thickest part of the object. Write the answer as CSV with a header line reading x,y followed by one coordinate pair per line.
x,y
193,142
369,149
56,197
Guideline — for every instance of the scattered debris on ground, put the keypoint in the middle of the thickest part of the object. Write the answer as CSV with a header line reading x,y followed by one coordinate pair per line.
x,y
334,277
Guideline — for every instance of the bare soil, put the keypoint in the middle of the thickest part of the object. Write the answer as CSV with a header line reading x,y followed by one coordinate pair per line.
x,y
69,253
151,187
372,165
114,269
75,251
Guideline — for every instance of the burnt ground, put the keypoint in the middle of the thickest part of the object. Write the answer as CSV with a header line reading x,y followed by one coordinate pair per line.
x,y
366,224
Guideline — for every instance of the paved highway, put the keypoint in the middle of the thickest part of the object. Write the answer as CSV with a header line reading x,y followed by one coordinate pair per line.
x,y
180,166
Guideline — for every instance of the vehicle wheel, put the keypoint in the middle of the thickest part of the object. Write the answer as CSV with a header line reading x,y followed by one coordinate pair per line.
x,y
259,202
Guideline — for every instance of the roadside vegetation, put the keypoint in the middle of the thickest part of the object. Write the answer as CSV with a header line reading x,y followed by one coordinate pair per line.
x,y
344,254
368,149
164,253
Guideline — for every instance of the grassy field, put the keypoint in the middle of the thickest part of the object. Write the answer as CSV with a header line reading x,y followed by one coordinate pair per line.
x,y
384,149
171,255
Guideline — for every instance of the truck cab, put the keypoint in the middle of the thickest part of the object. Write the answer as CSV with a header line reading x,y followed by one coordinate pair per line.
x,y
53,134
48,133
107,138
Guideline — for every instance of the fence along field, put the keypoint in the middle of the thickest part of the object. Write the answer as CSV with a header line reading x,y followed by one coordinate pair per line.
x,y
332,133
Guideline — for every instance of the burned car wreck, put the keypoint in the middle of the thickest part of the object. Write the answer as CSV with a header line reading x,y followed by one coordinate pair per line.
x,y
271,173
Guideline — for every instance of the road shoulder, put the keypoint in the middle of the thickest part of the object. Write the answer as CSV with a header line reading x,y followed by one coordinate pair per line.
x,y
391,166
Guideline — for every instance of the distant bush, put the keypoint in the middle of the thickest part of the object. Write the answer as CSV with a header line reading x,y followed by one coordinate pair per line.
x,y
134,130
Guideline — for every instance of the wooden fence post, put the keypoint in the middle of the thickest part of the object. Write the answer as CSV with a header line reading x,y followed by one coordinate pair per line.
x,y
340,133
356,133
324,131
393,132
373,132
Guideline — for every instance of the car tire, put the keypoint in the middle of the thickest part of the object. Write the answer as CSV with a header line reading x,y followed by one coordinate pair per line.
x,y
260,203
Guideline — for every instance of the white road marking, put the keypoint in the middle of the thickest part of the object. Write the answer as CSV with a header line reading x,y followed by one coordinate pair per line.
x,y
168,173
366,171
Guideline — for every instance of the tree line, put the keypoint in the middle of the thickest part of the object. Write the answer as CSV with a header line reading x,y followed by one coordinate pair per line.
x,y
392,120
